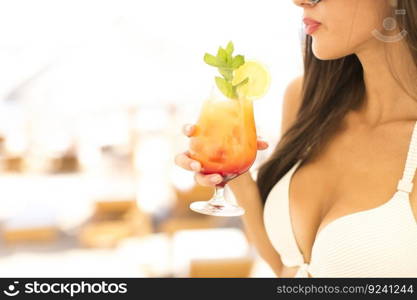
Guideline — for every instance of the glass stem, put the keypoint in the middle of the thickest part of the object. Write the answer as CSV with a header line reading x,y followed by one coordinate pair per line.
x,y
218,197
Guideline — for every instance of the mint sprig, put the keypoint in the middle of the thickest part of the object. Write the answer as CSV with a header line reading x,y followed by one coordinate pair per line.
x,y
225,63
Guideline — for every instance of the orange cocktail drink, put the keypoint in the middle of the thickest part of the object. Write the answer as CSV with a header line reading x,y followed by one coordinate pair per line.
x,y
224,140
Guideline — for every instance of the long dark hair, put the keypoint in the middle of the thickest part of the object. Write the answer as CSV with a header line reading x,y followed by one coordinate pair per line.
x,y
330,89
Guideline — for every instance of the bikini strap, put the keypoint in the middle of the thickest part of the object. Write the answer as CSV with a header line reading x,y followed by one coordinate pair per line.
x,y
406,182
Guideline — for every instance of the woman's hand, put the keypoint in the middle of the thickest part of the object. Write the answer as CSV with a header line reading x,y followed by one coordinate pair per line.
x,y
287,272
184,161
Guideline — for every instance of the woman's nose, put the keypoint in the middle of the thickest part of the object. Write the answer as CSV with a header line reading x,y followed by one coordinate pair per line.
x,y
303,3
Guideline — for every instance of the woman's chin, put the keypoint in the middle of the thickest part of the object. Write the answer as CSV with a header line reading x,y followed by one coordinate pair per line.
x,y
325,53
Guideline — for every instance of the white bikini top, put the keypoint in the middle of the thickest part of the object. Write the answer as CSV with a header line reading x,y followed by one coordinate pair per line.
x,y
377,242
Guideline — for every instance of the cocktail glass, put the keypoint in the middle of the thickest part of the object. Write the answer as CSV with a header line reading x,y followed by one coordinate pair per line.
x,y
224,142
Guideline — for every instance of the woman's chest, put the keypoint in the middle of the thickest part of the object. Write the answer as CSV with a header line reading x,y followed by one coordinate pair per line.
x,y
354,172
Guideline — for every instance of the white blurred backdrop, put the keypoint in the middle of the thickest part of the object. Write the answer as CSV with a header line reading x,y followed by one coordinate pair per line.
x,y
100,78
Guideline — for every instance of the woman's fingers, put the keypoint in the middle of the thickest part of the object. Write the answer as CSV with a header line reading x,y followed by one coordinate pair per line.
x,y
207,180
184,161
188,129
261,144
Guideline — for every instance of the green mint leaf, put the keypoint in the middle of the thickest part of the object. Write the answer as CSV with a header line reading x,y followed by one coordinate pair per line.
x,y
226,63
229,60
225,87
244,81
227,73
211,60
230,48
238,60
222,56
229,51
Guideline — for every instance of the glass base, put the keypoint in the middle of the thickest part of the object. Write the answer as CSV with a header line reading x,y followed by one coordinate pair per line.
x,y
223,210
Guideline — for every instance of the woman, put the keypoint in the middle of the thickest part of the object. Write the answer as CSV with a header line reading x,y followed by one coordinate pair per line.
x,y
348,147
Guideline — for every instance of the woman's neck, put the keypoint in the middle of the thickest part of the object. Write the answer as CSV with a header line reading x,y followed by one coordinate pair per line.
x,y
385,99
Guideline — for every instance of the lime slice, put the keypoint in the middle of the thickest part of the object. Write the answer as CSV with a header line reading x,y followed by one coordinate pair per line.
x,y
259,79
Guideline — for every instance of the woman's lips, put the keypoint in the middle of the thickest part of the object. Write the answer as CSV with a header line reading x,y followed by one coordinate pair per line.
x,y
311,25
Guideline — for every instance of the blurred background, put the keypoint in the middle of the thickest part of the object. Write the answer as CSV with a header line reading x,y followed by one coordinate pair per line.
x,y
93,97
